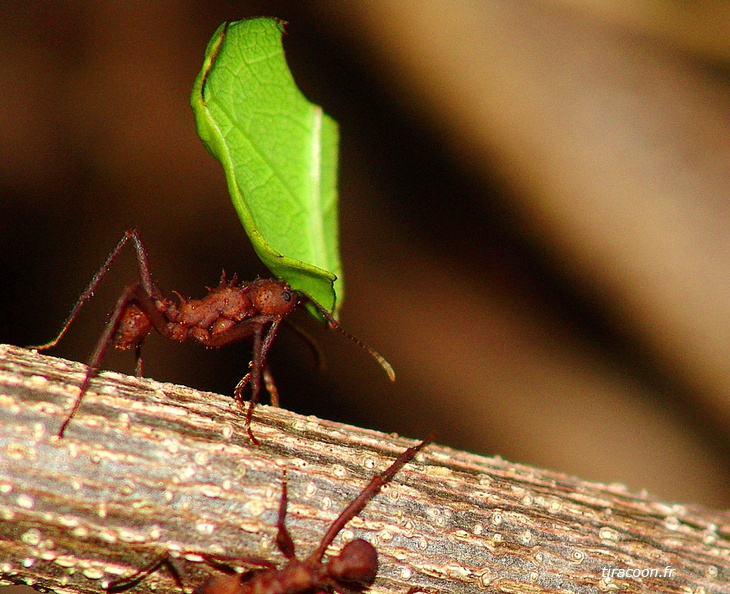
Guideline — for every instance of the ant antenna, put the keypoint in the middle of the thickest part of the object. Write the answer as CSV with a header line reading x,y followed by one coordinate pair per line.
x,y
336,325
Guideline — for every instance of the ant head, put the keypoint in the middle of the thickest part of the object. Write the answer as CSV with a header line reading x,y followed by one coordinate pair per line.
x,y
272,297
356,564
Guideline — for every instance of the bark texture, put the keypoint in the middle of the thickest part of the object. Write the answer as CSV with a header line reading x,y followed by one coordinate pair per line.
x,y
147,469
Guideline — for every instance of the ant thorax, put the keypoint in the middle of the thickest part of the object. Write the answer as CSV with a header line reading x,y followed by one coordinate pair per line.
x,y
210,319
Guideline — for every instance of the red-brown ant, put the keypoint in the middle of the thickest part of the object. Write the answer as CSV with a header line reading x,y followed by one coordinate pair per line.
x,y
230,312
353,570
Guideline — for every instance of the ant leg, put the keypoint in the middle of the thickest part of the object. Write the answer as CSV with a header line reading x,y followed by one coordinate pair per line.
x,y
143,265
256,363
138,360
87,294
144,275
283,538
260,351
225,563
127,583
319,359
268,382
240,387
132,294
102,344
238,396
271,386
258,367
372,489
251,377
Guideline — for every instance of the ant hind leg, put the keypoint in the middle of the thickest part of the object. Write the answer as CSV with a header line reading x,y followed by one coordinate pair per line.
x,y
102,345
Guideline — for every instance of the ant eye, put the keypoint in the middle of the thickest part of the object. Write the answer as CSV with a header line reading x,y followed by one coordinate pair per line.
x,y
286,296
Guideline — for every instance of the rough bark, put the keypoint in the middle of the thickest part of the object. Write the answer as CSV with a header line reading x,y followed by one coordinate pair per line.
x,y
149,468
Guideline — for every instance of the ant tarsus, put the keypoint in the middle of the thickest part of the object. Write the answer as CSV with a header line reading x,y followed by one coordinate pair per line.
x,y
353,570
229,313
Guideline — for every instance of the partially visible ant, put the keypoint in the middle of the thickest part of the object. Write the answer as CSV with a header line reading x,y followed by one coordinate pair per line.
x,y
353,570
230,312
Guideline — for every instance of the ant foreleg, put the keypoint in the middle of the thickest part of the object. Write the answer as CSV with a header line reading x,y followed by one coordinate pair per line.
x,y
260,351
258,367
238,396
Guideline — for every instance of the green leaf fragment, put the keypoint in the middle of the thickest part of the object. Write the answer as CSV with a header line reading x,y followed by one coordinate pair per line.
x,y
279,154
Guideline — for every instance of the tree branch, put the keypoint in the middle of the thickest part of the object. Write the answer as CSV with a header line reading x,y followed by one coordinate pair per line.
x,y
148,468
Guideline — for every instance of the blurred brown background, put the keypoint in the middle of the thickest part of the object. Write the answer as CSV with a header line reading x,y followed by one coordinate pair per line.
x,y
535,211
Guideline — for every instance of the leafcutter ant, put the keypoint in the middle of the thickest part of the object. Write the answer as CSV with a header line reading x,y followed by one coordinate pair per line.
x,y
353,570
230,312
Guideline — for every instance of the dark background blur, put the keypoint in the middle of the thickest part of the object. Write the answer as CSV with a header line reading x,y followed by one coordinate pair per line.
x,y
534,205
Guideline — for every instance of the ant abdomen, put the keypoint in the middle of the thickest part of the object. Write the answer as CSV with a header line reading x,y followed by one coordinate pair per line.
x,y
134,326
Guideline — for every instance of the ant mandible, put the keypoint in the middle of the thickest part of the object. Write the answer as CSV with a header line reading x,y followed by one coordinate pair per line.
x,y
349,572
230,312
